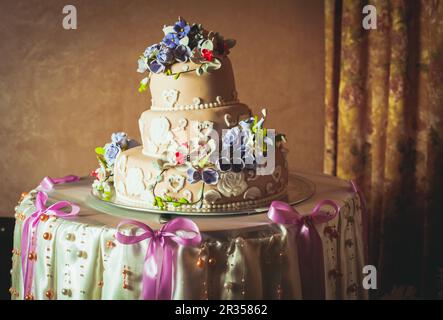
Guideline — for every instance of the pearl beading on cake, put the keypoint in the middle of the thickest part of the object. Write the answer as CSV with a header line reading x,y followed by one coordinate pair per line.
x,y
202,208
200,106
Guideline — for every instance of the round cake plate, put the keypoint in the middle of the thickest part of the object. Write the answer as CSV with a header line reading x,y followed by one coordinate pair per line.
x,y
299,189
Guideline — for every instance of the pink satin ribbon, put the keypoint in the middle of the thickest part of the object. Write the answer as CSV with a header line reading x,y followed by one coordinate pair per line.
x,y
364,219
29,233
309,243
48,183
160,261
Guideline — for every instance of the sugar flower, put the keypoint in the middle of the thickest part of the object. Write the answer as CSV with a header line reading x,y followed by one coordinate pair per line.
x,y
165,56
121,139
111,152
182,53
156,67
208,176
182,28
207,54
171,40
142,65
151,50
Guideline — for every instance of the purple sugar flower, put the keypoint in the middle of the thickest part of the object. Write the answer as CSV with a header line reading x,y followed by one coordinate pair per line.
x,y
208,176
151,49
120,138
182,53
111,152
193,175
171,40
156,67
165,56
182,28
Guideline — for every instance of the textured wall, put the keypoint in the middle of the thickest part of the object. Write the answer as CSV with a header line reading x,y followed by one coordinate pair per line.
x,y
62,92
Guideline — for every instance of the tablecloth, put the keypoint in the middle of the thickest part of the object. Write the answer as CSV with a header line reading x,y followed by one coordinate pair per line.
x,y
241,257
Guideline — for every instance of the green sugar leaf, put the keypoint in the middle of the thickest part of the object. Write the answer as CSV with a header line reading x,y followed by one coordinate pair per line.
x,y
100,150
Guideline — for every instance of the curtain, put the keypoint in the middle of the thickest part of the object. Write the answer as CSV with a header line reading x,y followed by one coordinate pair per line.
x,y
384,130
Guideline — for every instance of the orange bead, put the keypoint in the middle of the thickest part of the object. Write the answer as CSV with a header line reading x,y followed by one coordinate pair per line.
x,y
24,194
125,286
49,294
200,263
44,217
47,236
110,244
32,256
29,296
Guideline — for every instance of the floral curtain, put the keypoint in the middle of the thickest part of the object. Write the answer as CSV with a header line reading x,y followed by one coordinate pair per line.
x,y
384,129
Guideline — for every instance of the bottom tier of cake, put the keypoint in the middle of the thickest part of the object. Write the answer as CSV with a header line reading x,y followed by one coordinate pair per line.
x,y
143,181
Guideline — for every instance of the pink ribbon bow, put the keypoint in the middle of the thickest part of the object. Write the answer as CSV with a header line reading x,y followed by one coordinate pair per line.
x,y
48,183
364,218
29,241
159,259
309,243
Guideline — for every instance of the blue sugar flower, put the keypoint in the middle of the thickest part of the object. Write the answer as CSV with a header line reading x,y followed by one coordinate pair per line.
x,y
171,40
182,28
208,176
156,67
151,50
193,175
111,152
165,56
182,53
120,139
232,137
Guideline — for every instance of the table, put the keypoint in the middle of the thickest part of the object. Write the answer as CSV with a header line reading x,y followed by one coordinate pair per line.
x,y
241,257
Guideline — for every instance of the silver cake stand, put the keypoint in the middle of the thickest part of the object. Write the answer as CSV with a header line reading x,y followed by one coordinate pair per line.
x,y
299,189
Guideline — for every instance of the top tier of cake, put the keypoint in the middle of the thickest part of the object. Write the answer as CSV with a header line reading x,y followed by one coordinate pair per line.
x,y
190,91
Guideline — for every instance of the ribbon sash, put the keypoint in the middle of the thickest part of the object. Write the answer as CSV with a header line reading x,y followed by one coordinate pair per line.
x,y
48,183
159,262
308,241
29,233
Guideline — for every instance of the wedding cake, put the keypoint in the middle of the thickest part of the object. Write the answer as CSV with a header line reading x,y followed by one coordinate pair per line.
x,y
202,149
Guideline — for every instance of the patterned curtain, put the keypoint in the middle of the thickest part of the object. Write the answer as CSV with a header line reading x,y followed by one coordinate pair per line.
x,y
384,129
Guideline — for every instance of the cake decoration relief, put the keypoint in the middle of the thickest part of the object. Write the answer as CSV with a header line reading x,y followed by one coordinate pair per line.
x,y
212,196
170,97
134,182
252,193
176,183
232,184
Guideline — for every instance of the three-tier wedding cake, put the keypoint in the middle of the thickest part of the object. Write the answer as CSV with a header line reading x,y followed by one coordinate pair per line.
x,y
202,149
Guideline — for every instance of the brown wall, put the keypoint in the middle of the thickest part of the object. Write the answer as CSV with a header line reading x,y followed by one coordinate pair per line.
x,y
62,92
